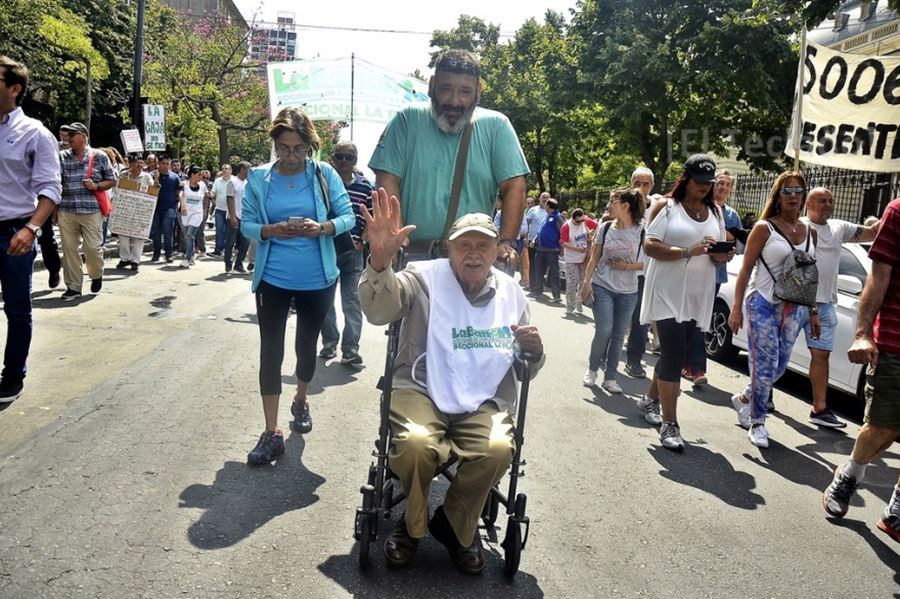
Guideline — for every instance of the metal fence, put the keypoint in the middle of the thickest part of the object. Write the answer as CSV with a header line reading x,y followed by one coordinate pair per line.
x,y
857,194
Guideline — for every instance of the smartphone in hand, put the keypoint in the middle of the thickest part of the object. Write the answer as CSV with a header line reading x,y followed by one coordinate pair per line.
x,y
721,247
296,221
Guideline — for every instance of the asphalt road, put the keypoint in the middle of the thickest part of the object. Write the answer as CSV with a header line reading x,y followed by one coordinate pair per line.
x,y
122,472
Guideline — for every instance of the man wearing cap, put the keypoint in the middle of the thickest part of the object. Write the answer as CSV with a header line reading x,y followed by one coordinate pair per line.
x,y
29,178
415,159
454,385
80,220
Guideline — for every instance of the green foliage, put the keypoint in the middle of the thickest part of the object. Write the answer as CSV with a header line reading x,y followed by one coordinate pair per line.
x,y
812,13
470,33
677,78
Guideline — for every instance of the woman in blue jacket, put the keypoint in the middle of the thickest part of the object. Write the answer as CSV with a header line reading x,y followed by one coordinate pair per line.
x,y
293,208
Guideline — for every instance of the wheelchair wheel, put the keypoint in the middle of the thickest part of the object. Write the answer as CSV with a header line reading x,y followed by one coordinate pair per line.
x,y
365,540
512,548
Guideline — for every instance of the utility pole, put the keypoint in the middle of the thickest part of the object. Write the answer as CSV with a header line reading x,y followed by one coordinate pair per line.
x,y
138,64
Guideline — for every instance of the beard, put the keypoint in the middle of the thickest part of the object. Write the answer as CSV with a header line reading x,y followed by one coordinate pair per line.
x,y
443,120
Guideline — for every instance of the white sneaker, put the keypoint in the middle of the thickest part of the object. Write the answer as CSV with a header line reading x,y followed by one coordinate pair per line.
x,y
758,435
742,409
191,262
184,264
590,378
650,408
670,436
611,386
578,307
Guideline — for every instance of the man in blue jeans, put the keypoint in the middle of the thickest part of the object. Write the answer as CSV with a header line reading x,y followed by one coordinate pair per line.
x,y
162,231
350,262
30,180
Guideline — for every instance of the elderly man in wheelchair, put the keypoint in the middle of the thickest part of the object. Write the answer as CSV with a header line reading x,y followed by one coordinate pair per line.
x,y
454,384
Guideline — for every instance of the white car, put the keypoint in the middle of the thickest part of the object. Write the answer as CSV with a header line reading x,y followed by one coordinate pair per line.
x,y
843,375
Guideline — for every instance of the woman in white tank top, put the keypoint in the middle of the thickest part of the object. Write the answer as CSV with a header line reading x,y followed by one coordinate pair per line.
x,y
772,325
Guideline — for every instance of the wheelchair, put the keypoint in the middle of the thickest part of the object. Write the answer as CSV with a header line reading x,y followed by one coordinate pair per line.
x,y
382,491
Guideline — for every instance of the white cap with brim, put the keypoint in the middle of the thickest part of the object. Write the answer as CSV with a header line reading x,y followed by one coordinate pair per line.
x,y
473,222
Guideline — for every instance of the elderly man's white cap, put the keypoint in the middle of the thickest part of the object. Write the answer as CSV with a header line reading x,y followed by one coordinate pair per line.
x,y
474,221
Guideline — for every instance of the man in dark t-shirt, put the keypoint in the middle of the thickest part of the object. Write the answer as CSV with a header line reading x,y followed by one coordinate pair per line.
x,y
877,344
162,232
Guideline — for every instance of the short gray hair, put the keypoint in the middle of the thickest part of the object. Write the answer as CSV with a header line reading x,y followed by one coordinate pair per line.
x,y
643,170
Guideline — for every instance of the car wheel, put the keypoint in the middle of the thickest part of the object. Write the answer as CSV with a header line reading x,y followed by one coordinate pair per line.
x,y
718,338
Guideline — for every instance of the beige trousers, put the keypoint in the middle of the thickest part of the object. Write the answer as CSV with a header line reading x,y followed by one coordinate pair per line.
x,y
424,438
72,229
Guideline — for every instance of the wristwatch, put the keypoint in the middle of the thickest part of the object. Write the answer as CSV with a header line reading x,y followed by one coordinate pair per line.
x,y
34,229
509,242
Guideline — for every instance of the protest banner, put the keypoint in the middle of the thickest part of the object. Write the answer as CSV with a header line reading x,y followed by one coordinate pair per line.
x,y
131,141
132,209
848,114
326,89
154,127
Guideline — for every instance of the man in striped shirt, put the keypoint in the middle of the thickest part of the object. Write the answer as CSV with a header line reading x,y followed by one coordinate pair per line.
x,y
877,343
350,259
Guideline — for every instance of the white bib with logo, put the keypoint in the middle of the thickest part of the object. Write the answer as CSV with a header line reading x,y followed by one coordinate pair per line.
x,y
468,349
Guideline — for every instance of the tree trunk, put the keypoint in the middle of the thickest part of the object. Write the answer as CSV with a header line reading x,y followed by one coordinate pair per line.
x,y
224,150
88,99
538,168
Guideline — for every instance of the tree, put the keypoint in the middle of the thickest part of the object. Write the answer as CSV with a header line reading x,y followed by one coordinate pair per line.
x,y
811,13
203,75
470,33
676,78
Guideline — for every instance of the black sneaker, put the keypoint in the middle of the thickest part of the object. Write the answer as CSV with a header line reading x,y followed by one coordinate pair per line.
x,y
123,264
250,266
827,419
836,498
155,258
239,268
269,447
170,260
9,392
135,266
96,285
227,267
352,359
635,371
302,422
54,280
328,353
70,294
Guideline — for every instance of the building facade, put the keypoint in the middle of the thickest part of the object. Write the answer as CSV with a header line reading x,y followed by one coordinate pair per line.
x,y
274,42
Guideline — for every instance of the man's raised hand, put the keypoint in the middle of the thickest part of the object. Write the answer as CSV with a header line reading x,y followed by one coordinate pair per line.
x,y
383,229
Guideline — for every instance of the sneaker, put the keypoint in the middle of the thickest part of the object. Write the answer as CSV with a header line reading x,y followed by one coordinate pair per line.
x,y
890,524
687,373
302,422
836,498
650,408
54,280
699,378
654,346
228,267
635,371
155,258
578,308
670,436
170,260
827,419
758,435
135,266
611,386
123,264
556,300
239,268
327,353
250,266
742,409
269,447
190,262
184,264
590,378
96,285
351,359
10,391
70,294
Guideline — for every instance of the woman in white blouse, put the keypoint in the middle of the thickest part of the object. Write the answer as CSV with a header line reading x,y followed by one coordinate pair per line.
x,y
681,274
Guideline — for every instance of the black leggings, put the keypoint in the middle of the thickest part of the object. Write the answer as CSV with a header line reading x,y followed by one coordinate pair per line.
x,y
673,338
272,306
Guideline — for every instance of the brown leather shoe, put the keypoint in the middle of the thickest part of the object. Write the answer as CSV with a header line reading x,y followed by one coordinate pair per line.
x,y
399,547
469,559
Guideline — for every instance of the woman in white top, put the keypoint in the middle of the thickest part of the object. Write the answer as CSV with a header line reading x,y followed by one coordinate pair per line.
x,y
680,276
573,237
191,205
772,325
612,276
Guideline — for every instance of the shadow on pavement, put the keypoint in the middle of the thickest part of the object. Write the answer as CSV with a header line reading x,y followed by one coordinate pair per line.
x,y
793,466
431,574
876,541
244,498
332,374
56,301
622,406
710,472
247,318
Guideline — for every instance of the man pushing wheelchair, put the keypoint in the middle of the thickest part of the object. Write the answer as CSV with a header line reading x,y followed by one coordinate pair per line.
x,y
454,381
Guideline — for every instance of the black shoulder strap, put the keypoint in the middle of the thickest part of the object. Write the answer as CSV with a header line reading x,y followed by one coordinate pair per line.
x,y
603,232
763,260
641,244
323,185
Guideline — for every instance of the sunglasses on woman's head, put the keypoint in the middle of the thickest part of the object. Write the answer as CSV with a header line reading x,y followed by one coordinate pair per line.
x,y
786,191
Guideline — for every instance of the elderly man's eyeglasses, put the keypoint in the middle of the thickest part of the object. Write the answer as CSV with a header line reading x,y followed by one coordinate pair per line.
x,y
347,157
285,151
786,191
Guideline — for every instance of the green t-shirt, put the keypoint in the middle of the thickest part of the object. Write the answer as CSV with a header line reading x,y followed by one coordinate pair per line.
x,y
414,149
